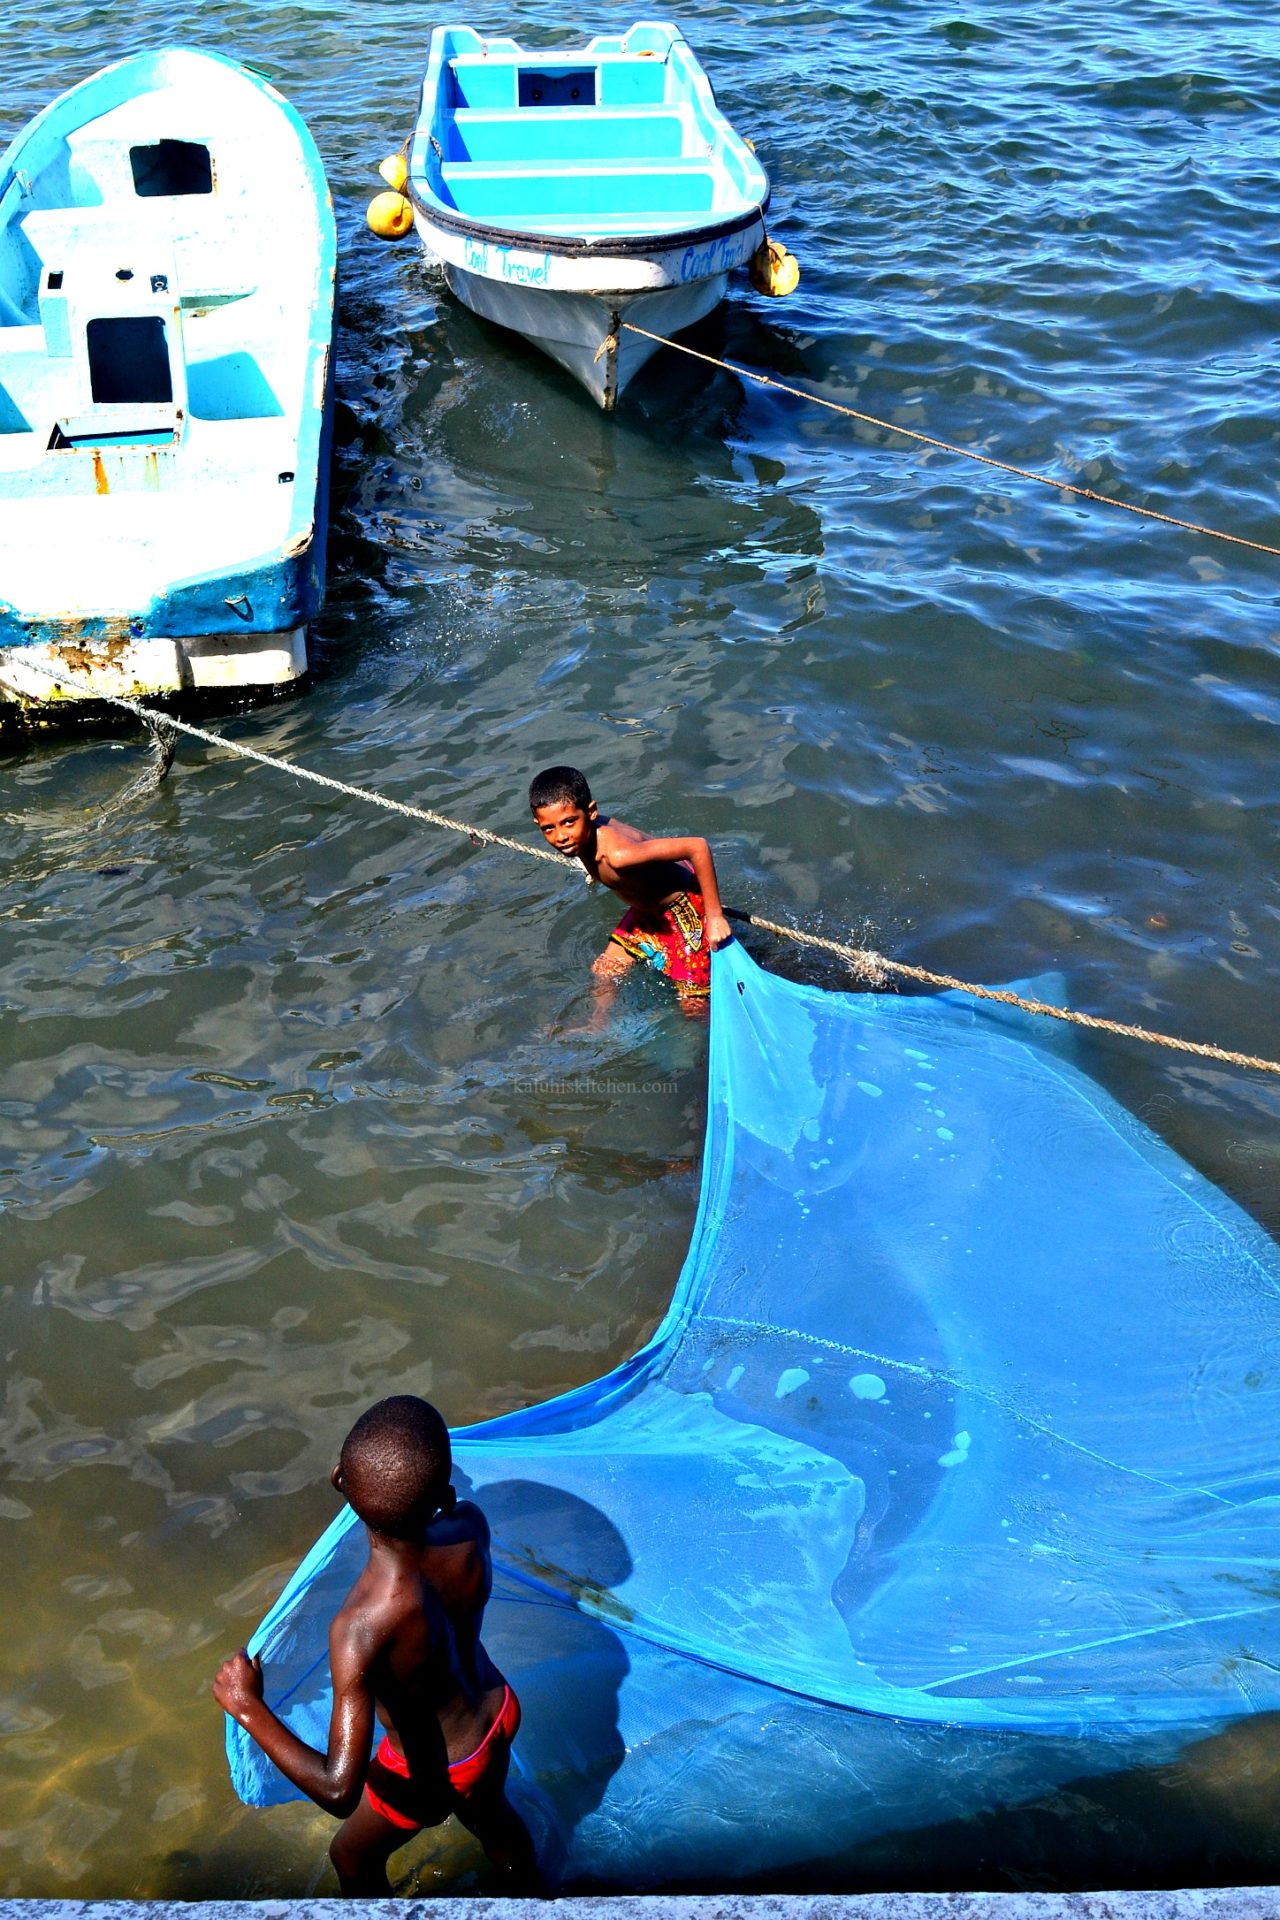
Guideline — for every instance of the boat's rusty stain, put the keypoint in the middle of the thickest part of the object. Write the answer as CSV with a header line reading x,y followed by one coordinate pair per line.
x,y
99,472
81,652
299,543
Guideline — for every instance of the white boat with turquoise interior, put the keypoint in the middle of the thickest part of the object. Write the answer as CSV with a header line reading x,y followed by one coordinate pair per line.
x,y
167,262
572,190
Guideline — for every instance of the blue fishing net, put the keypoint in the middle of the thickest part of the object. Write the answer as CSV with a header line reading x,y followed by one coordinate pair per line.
x,y
950,1473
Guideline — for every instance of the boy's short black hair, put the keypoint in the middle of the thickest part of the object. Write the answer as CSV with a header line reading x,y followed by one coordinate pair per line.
x,y
559,783
396,1462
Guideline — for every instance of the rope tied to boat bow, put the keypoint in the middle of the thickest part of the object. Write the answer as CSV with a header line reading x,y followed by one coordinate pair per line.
x,y
948,446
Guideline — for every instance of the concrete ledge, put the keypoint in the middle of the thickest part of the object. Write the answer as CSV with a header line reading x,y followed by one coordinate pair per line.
x,y
1209,1903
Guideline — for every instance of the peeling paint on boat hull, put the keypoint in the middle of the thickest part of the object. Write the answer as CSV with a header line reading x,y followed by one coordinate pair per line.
x,y
47,683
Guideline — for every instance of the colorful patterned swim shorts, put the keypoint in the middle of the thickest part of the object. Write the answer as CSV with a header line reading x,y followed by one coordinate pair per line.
x,y
672,940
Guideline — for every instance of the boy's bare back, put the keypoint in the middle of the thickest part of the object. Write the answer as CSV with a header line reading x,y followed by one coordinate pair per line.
x,y
396,1629
429,1664
459,1564
652,883
411,1629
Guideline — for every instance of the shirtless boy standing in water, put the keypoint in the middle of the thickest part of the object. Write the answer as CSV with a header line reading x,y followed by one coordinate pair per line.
x,y
405,1646
673,918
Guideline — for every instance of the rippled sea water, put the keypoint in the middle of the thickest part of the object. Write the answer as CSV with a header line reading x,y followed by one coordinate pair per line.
x,y
292,1109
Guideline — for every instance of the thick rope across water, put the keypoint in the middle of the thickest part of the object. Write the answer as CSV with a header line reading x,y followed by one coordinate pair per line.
x,y
873,967
480,836
947,446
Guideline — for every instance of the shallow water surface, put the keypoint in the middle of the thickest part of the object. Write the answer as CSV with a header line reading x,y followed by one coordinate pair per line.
x,y
296,1108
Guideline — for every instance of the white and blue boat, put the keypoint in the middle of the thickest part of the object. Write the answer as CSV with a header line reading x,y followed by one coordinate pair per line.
x,y
167,260
568,192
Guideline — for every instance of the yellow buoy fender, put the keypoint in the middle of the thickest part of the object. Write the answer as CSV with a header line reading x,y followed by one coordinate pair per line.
x,y
774,270
389,216
395,171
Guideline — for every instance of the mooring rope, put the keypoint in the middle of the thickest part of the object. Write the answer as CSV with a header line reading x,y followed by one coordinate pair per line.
x,y
868,965
875,967
480,836
947,446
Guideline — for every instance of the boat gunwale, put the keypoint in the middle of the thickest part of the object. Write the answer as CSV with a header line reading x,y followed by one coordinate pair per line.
x,y
625,245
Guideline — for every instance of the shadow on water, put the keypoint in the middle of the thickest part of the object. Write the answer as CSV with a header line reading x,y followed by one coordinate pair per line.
x,y
363,586
1203,1818
558,1563
672,395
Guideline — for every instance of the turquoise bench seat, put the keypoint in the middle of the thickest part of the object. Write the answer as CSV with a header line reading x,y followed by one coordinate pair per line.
x,y
33,388
496,191
579,134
